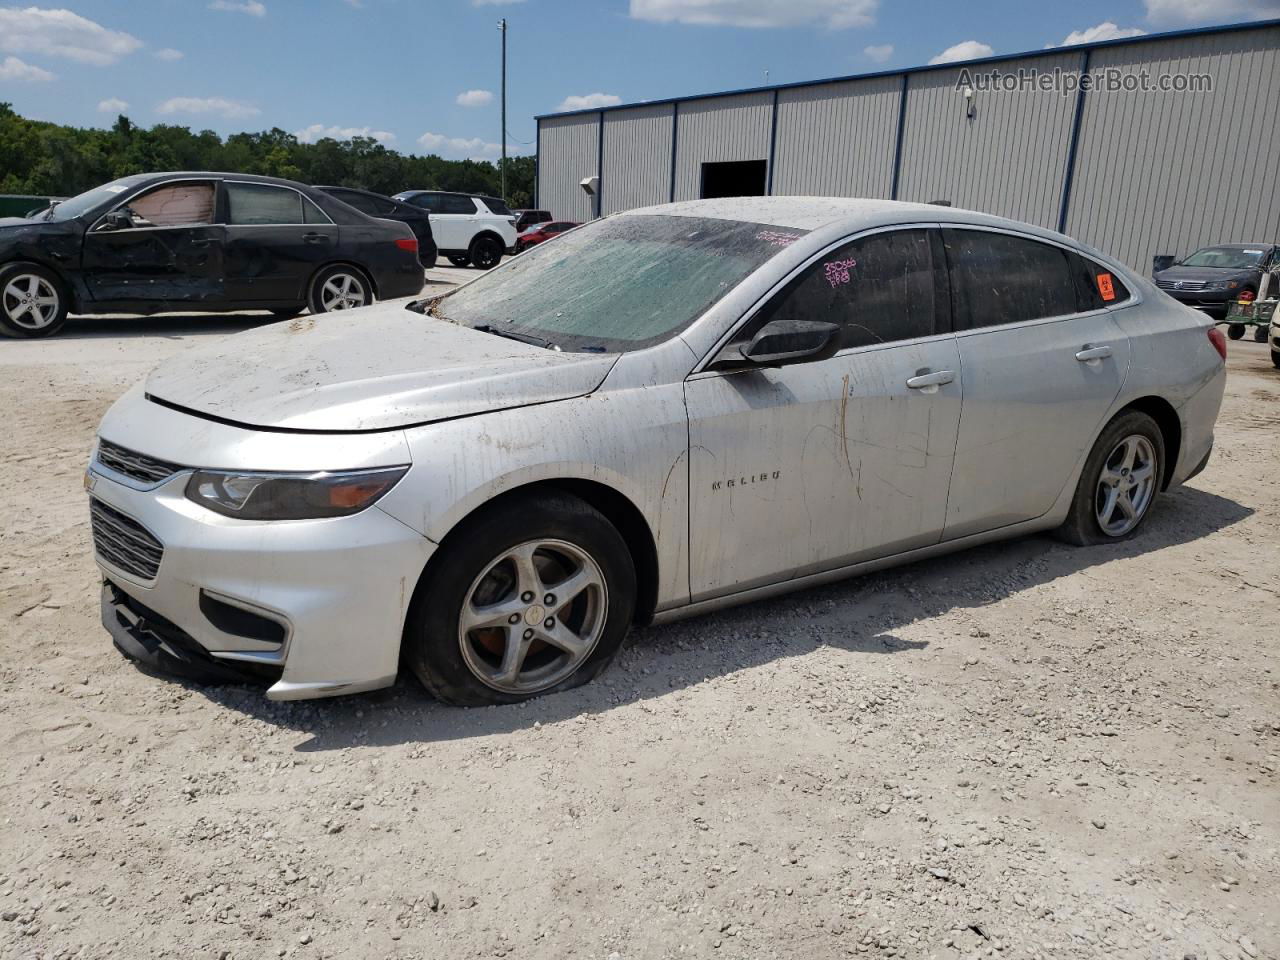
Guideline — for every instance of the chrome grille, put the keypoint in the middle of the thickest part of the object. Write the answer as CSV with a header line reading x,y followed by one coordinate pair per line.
x,y
1188,285
123,542
136,466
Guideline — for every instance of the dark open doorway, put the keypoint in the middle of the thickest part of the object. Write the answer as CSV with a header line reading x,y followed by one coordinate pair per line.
x,y
738,178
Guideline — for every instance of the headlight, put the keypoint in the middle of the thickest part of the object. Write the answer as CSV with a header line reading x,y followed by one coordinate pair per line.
x,y
1222,284
290,496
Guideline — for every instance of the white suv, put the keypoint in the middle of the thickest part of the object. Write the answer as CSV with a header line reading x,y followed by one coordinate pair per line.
x,y
468,228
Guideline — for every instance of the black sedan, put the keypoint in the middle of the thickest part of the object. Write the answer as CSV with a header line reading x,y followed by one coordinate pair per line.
x,y
376,205
206,242
1212,277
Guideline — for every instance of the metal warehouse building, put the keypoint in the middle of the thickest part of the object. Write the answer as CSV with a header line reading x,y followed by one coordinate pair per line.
x,y
1134,172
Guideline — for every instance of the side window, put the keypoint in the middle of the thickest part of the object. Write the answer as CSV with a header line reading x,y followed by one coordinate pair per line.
x,y
454,204
880,289
1096,286
313,214
259,204
1000,279
359,201
382,207
173,205
427,201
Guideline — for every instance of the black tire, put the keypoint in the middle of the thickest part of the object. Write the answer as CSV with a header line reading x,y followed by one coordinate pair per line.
x,y
486,253
1275,357
1082,527
350,279
1235,330
432,641
1259,334
459,261
31,318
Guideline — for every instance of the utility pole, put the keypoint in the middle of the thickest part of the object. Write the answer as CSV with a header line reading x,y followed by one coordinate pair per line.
x,y
502,25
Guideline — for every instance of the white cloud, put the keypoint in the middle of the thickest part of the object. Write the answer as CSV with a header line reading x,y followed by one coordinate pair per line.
x,y
474,98
318,131
252,7
11,68
590,101
61,33
965,50
465,148
169,54
1103,31
879,53
1219,11
112,105
230,109
836,14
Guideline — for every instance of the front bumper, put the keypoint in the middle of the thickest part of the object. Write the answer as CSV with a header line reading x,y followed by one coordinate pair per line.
x,y
334,592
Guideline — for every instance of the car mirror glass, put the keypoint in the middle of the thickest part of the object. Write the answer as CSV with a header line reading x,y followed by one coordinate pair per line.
x,y
793,341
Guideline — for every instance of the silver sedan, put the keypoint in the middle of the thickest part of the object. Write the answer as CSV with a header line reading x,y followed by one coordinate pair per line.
x,y
661,413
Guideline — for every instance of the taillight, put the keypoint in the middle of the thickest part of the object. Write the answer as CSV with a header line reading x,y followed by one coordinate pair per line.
x,y
1219,342
407,243
1246,296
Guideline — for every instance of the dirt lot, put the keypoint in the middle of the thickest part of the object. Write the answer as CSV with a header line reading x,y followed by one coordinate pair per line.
x,y
1026,750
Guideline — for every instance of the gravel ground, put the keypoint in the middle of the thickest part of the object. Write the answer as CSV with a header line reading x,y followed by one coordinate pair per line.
x,y
1024,750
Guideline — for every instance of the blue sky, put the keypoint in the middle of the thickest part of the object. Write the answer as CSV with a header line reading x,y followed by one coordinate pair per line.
x,y
422,75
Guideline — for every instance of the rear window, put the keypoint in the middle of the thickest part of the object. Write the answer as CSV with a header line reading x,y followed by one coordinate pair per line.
x,y
497,206
618,284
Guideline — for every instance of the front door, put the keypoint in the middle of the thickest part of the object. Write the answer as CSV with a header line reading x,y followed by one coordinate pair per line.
x,y
453,221
276,240
810,466
1043,360
162,246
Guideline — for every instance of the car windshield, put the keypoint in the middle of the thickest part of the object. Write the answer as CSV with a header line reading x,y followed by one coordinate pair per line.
x,y
83,203
1231,258
618,284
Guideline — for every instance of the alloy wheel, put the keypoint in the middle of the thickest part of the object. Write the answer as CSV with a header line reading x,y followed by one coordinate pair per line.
x,y
1126,485
342,291
533,616
31,302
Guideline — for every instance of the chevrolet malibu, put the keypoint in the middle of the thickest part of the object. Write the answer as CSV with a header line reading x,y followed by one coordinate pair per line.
x,y
662,413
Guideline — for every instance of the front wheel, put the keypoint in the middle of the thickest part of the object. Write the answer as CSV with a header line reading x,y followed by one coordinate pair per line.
x,y
459,261
1119,483
531,596
1275,358
486,253
32,303
339,288
1235,331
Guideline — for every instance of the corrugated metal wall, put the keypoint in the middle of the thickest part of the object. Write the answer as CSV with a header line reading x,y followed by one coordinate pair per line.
x,y
837,139
637,157
1169,172
723,128
1154,172
1009,159
568,150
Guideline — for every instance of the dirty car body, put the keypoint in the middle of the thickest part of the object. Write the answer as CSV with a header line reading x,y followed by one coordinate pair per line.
x,y
662,413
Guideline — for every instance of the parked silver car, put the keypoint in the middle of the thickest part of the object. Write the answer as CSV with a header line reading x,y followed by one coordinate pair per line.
x,y
662,413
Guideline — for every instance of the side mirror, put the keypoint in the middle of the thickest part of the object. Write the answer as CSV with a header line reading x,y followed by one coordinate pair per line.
x,y
784,341
1161,261
116,220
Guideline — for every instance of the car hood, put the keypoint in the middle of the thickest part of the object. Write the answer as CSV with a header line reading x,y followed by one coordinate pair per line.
x,y
377,368
1205,273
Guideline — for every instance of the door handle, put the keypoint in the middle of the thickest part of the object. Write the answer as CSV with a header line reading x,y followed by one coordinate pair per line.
x,y
201,241
1090,352
929,382
315,238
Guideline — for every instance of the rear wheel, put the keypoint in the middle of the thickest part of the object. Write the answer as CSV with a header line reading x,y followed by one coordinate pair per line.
x,y
459,261
1235,331
1119,483
339,288
1275,357
486,253
1259,334
32,303
531,596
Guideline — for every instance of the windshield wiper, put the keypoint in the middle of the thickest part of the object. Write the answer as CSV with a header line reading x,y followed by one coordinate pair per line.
x,y
48,214
512,335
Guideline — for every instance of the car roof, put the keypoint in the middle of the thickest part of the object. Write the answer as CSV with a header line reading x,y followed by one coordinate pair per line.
x,y
1236,246
211,175
852,213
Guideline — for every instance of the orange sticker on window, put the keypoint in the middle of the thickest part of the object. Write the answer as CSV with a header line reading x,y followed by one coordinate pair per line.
x,y
1105,287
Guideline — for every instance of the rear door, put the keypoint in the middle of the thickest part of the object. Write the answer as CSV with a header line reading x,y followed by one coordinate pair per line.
x,y
453,221
809,466
276,239
1042,363
171,252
